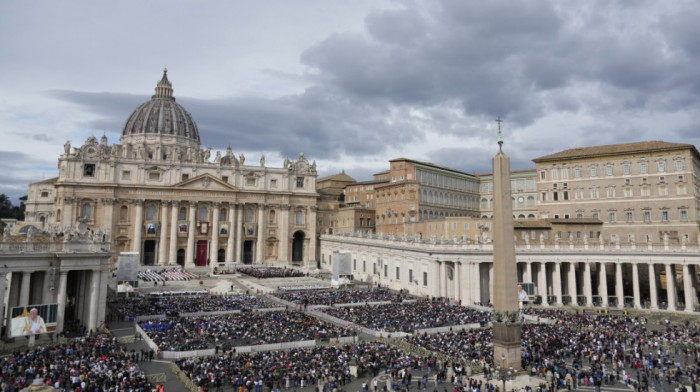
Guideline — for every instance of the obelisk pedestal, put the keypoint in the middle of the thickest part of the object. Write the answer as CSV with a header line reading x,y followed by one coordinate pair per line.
x,y
506,313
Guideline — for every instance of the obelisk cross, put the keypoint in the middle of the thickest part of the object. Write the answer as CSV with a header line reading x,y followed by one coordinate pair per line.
x,y
500,135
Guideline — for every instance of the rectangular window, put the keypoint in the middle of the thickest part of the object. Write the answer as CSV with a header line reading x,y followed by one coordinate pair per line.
x,y
386,270
644,168
273,183
661,166
663,191
300,182
555,196
126,174
664,216
647,216
354,264
544,196
250,181
410,276
185,177
612,217
466,226
564,174
611,193
595,215
593,171
626,169
555,174
224,179
44,194
154,176
89,170
578,235
608,170
364,265
425,278
629,217
684,215
645,191
566,195
680,165
398,275
628,192
543,175
577,172
594,193
680,189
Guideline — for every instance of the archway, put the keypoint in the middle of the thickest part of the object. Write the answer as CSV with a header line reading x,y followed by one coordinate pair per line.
x,y
298,246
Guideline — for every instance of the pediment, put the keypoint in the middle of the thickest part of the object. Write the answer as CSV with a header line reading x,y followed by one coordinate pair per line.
x,y
206,182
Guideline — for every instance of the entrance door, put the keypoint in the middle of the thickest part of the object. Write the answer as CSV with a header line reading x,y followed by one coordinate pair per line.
x,y
181,257
298,247
149,252
247,252
201,253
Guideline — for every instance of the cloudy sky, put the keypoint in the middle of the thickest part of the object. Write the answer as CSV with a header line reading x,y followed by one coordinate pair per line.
x,y
351,84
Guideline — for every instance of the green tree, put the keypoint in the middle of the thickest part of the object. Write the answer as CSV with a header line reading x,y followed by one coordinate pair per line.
x,y
7,210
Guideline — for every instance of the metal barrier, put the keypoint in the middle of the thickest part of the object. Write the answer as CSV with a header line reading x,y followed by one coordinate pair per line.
x,y
126,339
189,384
158,378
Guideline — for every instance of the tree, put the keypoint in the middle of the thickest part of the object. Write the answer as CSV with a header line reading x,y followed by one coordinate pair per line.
x,y
7,210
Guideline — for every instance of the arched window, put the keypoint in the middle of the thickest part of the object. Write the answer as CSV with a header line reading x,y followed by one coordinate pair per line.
x,y
85,211
300,217
248,214
203,214
182,214
272,216
484,203
123,214
222,215
531,216
521,216
151,213
530,201
43,221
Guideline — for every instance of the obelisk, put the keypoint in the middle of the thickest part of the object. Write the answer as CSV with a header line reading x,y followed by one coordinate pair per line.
x,y
506,313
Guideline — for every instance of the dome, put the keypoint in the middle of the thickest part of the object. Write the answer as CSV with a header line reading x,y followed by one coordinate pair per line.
x,y
162,115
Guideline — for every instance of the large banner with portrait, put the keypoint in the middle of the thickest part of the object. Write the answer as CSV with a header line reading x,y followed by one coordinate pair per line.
x,y
33,319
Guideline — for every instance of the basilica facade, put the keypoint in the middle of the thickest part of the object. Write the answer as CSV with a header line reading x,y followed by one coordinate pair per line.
x,y
159,193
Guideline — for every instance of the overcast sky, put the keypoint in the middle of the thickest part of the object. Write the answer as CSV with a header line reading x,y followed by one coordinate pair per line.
x,y
351,84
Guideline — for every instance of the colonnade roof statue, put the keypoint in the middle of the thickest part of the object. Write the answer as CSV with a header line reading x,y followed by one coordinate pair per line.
x,y
506,315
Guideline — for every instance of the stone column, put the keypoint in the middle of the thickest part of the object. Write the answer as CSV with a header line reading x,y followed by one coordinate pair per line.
x,y
443,279
635,286
476,282
603,285
163,243
239,231
652,288
24,288
172,253
67,218
619,289
670,287
3,286
284,234
437,278
108,204
587,286
542,282
573,292
214,249
102,298
260,241
556,282
491,283
528,273
189,252
231,231
94,293
311,224
61,311
456,277
138,228
688,289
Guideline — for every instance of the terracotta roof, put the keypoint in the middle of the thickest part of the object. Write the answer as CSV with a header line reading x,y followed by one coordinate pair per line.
x,y
367,182
434,166
47,181
575,221
531,224
615,149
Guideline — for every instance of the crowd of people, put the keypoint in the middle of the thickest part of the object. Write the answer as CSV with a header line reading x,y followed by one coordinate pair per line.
x,y
408,317
241,329
88,363
327,368
270,272
173,274
341,296
142,305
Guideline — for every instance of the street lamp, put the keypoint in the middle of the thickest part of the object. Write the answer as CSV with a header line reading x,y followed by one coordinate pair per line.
x,y
504,374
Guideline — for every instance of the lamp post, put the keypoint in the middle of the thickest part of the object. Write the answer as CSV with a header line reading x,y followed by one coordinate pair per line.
x,y
504,374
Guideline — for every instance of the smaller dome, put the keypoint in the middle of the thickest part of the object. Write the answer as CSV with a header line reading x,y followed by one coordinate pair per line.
x,y
162,115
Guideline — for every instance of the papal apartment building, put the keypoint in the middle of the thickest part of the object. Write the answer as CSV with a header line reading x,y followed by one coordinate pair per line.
x,y
159,193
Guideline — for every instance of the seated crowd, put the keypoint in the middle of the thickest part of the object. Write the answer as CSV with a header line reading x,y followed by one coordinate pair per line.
x,y
270,272
92,363
148,305
343,296
174,274
231,330
408,317
326,367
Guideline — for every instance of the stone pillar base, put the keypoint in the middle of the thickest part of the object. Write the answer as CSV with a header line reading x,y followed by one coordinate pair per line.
x,y
507,345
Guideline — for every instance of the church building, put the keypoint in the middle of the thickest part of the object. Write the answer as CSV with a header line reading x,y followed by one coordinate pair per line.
x,y
159,193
